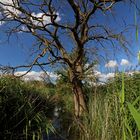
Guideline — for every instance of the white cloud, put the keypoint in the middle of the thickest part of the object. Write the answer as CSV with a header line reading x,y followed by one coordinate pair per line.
x,y
8,7
22,29
42,19
111,64
97,73
110,75
1,23
125,62
104,77
33,75
37,18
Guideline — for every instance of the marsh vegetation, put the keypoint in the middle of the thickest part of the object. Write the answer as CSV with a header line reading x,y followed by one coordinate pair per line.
x,y
39,111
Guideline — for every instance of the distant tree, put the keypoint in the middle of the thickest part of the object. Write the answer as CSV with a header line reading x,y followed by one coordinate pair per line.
x,y
65,31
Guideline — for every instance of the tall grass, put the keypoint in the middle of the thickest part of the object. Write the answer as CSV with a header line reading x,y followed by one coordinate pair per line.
x,y
27,111
24,111
111,116
103,120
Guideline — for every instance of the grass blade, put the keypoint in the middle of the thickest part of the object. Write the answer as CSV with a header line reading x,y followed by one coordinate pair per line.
x,y
135,114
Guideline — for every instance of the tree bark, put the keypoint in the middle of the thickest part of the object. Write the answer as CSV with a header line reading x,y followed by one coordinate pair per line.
x,y
79,98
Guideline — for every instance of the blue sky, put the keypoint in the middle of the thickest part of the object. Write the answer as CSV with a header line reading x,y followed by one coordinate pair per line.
x,y
17,51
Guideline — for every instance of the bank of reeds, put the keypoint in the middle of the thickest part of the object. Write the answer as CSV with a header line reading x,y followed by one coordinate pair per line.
x,y
24,111
114,111
27,111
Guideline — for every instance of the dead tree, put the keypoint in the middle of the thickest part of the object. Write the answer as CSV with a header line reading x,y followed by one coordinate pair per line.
x,y
43,20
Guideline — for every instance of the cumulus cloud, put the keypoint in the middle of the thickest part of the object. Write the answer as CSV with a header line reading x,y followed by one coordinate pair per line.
x,y
110,76
102,78
125,62
42,19
105,77
111,64
97,73
8,7
39,19
33,75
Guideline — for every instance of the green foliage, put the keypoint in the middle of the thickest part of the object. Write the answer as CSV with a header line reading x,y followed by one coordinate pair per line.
x,y
135,114
131,86
24,111
109,116
27,109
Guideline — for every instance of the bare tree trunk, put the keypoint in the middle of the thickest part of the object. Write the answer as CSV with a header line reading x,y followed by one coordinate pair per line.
x,y
79,100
